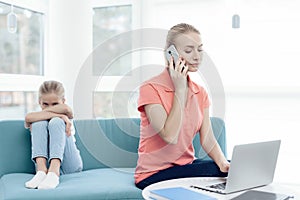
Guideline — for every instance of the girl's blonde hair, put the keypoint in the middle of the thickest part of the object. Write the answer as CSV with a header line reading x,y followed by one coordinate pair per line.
x,y
52,87
177,30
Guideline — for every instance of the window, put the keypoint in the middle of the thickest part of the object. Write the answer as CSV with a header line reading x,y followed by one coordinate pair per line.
x,y
21,52
15,104
21,59
108,22
115,104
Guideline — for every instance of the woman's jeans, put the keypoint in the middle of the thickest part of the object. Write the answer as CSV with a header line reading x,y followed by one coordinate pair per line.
x,y
198,168
49,140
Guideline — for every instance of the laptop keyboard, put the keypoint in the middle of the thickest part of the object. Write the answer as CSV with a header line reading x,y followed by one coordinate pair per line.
x,y
219,186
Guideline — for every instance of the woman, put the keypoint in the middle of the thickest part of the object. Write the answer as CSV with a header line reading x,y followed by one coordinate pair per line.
x,y
173,109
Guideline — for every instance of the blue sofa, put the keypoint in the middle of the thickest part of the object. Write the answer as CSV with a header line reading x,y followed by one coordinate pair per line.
x,y
109,151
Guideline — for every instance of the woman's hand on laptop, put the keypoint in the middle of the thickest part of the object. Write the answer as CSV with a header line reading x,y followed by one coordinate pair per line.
x,y
224,166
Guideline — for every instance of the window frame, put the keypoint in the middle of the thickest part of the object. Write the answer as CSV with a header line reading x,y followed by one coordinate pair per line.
x,y
108,83
136,21
23,82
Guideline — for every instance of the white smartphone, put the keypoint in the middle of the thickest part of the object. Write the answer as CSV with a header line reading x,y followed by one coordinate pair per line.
x,y
172,52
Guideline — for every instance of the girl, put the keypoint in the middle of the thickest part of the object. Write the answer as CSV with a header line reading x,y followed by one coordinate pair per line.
x,y
173,109
54,151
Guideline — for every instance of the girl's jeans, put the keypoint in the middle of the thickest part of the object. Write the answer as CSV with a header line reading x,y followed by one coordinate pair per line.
x,y
49,140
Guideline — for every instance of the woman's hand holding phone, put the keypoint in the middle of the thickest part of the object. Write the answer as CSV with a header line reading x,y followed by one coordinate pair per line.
x,y
173,58
178,74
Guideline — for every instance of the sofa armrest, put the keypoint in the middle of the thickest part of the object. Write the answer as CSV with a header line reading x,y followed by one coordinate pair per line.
x,y
15,148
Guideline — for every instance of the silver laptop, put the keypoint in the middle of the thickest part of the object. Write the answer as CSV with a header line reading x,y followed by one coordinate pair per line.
x,y
252,165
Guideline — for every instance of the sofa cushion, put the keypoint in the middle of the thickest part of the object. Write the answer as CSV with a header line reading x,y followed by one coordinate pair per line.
x,y
108,142
105,183
120,137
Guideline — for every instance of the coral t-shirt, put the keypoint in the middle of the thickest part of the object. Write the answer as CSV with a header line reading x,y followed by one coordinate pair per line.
x,y
154,153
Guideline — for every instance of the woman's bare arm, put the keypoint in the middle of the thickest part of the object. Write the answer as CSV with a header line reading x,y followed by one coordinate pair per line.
x,y
210,144
167,126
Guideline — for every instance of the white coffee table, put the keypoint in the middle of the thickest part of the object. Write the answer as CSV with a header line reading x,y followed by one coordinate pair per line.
x,y
288,189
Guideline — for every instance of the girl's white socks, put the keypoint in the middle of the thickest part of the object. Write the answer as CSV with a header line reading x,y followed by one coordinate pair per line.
x,y
41,180
50,182
36,180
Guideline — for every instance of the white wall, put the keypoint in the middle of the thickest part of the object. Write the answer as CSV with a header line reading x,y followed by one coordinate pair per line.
x,y
261,53
70,41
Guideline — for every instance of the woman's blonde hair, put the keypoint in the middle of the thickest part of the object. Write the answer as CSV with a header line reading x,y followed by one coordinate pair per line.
x,y
177,30
52,87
